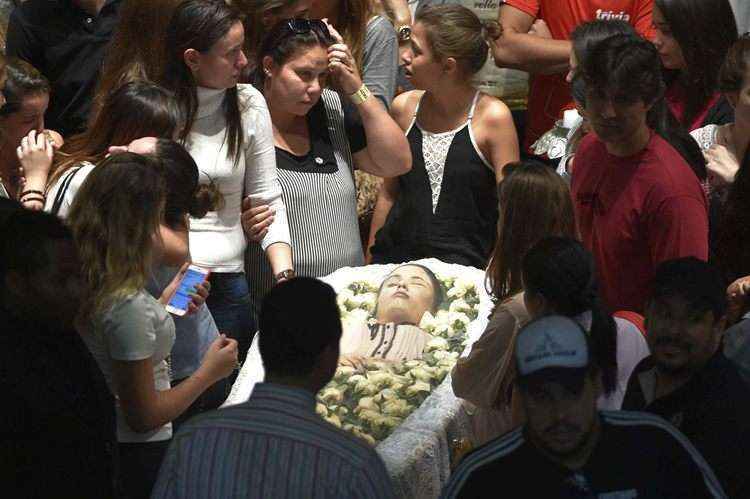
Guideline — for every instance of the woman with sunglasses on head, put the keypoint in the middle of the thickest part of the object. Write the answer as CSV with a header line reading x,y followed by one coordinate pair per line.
x,y
316,148
460,138
227,130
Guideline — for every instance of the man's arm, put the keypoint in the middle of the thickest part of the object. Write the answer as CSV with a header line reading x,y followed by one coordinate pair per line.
x,y
517,49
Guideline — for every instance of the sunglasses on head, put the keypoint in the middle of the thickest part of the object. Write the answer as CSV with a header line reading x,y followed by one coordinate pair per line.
x,y
304,26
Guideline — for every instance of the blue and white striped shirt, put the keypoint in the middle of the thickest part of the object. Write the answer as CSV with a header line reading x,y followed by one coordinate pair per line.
x,y
272,446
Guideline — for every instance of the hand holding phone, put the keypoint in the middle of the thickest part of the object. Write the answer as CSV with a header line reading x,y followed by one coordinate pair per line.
x,y
188,290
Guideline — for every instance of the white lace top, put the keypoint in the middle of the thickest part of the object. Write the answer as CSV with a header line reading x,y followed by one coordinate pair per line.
x,y
435,148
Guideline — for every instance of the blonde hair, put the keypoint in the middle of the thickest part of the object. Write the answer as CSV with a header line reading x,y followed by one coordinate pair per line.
x,y
114,219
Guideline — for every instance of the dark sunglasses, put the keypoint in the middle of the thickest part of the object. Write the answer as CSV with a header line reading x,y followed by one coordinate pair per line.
x,y
304,26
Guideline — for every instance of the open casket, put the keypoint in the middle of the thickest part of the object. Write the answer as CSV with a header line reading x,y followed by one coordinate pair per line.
x,y
393,387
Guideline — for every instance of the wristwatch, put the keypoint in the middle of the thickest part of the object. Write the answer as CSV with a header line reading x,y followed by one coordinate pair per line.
x,y
285,275
404,33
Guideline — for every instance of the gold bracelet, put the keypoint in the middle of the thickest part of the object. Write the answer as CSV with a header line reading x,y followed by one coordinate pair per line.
x,y
360,95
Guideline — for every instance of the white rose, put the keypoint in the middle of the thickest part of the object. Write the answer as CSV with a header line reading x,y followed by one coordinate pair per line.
x,y
321,410
366,388
421,374
460,305
359,432
436,344
334,420
366,403
332,395
397,407
428,322
369,416
459,320
343,296
382,379
417,387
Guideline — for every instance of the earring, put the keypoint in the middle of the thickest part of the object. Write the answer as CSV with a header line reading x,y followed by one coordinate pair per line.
x,y
267,72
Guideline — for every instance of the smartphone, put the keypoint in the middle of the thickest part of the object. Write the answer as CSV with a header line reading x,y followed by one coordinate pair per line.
x,y
180,301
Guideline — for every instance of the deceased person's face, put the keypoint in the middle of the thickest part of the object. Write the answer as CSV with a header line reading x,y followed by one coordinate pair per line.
x,y
406,294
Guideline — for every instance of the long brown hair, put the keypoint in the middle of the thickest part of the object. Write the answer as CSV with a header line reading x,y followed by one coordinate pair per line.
x,y
199,25
137,109
534,203
255,25
130,54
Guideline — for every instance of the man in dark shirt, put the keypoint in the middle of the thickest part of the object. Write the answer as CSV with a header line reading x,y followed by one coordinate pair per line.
x,y
66,41
57,425
687,380
567,449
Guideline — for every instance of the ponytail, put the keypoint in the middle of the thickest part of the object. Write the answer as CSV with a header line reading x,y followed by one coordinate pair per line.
x,y
563,272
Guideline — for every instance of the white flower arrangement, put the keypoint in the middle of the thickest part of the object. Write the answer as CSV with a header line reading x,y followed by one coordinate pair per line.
x,y
371,402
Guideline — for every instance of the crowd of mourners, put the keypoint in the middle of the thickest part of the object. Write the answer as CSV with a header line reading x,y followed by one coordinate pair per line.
x,y
139,137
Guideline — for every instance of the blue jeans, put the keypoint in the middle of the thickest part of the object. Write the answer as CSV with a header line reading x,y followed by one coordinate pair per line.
x,y
229,303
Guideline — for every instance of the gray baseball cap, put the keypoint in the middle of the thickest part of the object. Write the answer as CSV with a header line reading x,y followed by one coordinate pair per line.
x,y
551,342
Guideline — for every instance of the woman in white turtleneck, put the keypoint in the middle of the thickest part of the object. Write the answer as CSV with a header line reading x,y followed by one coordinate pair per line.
x,y
229,134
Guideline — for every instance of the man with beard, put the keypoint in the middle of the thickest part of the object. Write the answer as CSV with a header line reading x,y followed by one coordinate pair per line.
x,y
567,449
687,379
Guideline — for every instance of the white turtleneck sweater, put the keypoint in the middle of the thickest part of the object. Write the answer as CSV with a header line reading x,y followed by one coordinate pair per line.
x,y
217,240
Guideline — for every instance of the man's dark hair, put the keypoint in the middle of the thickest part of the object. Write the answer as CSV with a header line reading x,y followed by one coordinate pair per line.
x,y
628,68
697,282
299,318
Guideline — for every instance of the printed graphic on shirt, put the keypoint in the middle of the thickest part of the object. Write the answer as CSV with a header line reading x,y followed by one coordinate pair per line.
x,y
611,15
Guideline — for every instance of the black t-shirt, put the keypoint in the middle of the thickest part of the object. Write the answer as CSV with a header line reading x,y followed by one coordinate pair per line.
x,y
712,410
638,455
67,45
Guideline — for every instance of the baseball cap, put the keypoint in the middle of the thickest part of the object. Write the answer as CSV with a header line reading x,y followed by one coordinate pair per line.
x,y
551,342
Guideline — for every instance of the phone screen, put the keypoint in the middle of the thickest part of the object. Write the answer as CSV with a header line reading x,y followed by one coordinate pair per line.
x,y
181,299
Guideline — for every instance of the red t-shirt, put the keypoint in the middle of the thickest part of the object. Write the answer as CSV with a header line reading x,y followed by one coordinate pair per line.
x,y
636,212
550,94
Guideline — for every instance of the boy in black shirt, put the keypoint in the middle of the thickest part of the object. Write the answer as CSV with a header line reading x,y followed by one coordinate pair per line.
x,y
687,380
569,450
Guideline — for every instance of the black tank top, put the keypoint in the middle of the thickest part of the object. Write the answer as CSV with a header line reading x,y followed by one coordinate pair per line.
x,y
463,227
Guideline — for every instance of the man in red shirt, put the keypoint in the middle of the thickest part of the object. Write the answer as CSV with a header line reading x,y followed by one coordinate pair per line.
x,y
547,59
637,201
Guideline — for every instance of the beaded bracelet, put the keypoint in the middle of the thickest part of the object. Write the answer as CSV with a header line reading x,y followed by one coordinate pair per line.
x,y
30,198
31,191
